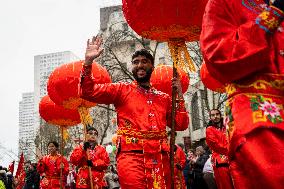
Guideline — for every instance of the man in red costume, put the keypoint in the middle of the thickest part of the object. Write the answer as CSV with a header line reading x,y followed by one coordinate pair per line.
x,y
217,141
179,161
52,168
90,155
242,43
143,114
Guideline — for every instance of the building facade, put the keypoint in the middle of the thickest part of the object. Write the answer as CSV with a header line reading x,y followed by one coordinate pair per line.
x,y
26,126
29,118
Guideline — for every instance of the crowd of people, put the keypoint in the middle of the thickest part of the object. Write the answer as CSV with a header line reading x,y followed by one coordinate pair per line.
x,y
142,156
54,171
242,47
6,178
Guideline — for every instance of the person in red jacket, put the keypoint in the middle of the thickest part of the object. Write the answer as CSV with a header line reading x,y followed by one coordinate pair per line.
x,y
52,168
143,114
90,155
180,160
217,142
242,43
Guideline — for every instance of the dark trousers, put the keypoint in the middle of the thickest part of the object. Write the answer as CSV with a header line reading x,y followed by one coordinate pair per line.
x,y
210,181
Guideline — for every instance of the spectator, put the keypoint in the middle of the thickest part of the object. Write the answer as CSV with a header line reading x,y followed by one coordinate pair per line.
x,y
208,174
32,176
10,181
198,164
217,141
111,178
187,171
3,179
71,179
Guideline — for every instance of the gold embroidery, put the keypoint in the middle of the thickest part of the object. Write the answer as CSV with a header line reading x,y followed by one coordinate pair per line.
x,y
258,84
128,140
157,180
142,134
192,32
230,89
258,116
82,181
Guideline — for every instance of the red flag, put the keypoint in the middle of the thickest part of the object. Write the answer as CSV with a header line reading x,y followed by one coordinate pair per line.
x,y
11,167
20,174
20,166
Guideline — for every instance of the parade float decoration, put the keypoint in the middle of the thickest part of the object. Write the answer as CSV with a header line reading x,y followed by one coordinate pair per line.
x,y
58,116
63,88
210,82
172,21
161,78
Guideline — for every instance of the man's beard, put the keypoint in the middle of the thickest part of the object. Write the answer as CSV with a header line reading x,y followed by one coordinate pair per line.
x,y
146,78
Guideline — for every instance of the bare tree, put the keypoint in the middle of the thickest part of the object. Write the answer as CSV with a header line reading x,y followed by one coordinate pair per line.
x,y
48,132
209,99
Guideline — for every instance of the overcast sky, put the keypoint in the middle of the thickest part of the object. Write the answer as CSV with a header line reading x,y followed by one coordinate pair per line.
x,y
34,27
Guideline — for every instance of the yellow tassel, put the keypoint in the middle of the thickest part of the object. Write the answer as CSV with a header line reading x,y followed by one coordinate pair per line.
x,y
85,116
180,55
65,134
173,54
188,59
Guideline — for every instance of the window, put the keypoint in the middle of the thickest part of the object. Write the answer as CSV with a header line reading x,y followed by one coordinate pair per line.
x,y
125,26
195,112
162,60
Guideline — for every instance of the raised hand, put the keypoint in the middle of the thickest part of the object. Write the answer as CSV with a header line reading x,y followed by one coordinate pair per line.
x,y
93,49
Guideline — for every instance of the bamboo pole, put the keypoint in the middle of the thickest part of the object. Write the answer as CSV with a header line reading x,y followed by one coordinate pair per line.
x,y
88,157
172,139
61,153
86,120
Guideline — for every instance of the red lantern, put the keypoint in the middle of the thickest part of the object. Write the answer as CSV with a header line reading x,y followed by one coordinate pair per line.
x,y
161,79
57,115
209,81
63,84
174,21
163,20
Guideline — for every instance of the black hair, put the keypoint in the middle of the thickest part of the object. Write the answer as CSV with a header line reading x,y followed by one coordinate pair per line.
x,y
211,123
215,110
145,53
28,161
54,143
90,128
